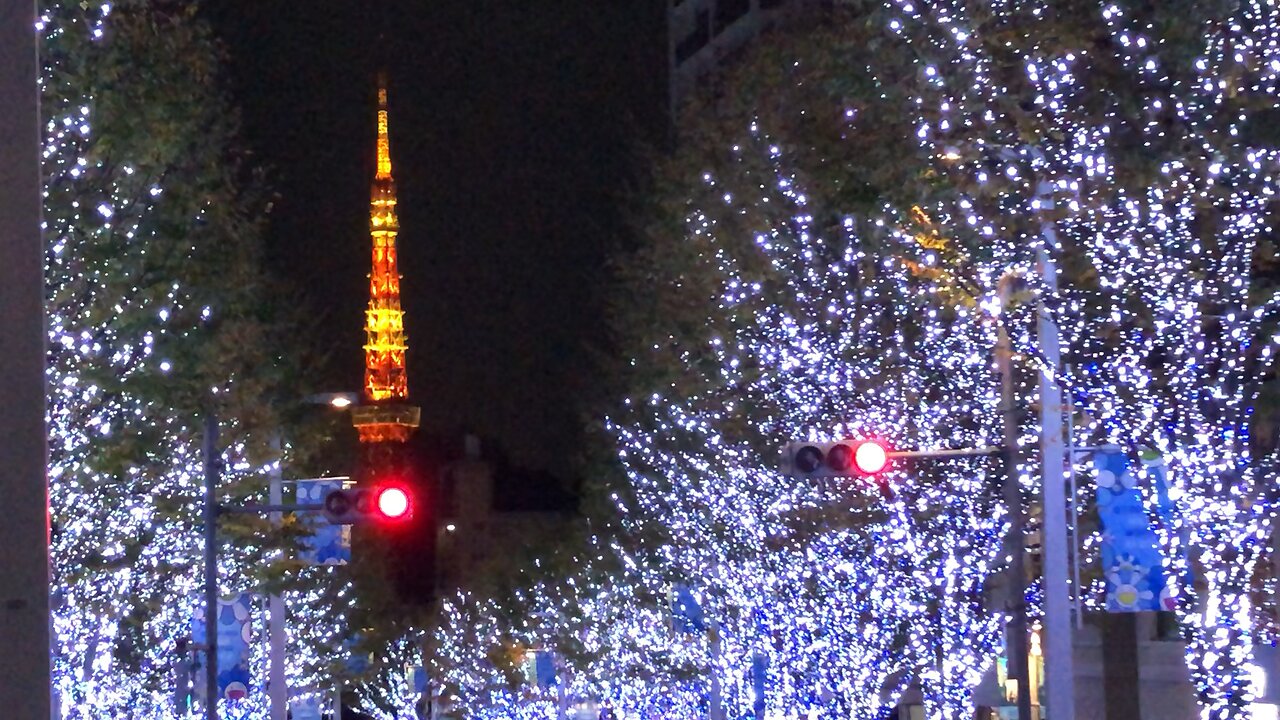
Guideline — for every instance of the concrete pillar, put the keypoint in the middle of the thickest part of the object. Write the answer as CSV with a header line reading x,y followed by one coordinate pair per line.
x,y
1120,678
25,692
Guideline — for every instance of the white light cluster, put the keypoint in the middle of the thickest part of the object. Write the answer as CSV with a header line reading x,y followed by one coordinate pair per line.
x,y
130,296
1149,123
812,333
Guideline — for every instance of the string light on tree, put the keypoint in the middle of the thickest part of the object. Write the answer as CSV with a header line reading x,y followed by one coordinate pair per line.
x,y
1145,123
150,276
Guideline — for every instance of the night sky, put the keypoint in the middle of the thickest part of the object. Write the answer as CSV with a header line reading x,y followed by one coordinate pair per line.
x,y
513,124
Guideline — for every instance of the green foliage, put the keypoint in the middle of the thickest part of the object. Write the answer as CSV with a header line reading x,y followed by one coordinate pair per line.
x,y
159,313
827,92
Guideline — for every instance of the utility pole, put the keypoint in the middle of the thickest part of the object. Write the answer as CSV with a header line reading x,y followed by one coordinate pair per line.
x,y
26,691
562,697
1058,659
716,711
1017,575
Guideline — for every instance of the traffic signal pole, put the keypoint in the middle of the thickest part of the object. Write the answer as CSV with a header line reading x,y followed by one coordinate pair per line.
x,y
824,459
845,458
210,566
841,459
277,684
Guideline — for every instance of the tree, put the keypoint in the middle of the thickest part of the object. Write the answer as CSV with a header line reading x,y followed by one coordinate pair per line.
x,y
1125,142
785,299
158,317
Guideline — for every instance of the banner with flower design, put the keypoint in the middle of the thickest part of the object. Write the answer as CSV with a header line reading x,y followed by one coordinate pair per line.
x,y
1131,560
328,544
234,632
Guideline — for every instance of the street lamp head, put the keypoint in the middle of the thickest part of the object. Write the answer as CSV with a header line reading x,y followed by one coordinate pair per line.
x,y
337,400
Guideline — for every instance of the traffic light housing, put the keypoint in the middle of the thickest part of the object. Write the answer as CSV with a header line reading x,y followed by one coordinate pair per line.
x,y
401,551
382,504
846,458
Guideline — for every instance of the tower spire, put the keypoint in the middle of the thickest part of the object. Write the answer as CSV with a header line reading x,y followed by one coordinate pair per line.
x,y
386,415
384,134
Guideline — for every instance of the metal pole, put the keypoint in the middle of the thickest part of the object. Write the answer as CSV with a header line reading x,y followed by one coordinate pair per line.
x,y
562,698
273,508
210,567
182,678
1072,493
715,711
1017,635
1058,661
278,688
26,691
946,453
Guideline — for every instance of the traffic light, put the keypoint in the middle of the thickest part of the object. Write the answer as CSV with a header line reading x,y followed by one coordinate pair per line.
x,y
849,458
870,457
388,503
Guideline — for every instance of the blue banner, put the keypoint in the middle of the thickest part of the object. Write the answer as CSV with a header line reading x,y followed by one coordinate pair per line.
x,y
307,708
417,678
759,676
328,544
357,655
544,668
1131,559
234,633
686,613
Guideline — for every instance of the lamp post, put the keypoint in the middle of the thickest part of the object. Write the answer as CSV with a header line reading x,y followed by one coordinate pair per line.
x,y
212,510
1058,658
211,473
277,684
1016,639
278,687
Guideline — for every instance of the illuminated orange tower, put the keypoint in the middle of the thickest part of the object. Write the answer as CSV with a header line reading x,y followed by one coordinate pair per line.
x,y
385,415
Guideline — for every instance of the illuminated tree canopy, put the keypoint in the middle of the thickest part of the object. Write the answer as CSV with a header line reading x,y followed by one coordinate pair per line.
x,y
158,314
1126,141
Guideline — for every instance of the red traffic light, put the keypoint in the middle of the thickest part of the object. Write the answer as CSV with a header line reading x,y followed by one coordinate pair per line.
x,y
859,458
357,506
393,502
870,457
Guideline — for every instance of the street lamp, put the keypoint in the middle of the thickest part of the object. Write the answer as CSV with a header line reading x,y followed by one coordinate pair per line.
x,y
339,400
